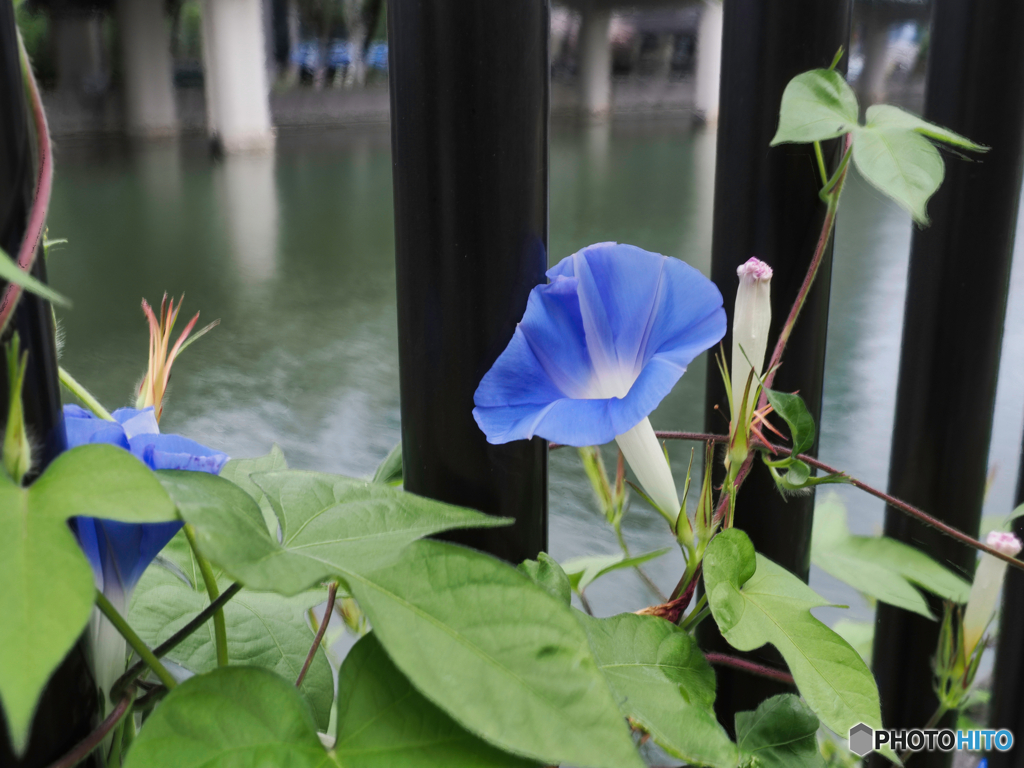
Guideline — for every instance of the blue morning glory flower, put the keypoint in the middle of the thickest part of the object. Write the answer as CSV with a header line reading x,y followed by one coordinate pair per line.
x,y
120,552
597,350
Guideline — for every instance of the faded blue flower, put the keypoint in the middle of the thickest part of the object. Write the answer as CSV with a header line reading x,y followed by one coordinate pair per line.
x,y
597,350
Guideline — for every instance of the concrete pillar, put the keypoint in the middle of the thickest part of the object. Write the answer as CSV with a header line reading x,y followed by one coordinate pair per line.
x,y
871,84
357,32
78,47
146,69
709,62
235,76
595,62
247,192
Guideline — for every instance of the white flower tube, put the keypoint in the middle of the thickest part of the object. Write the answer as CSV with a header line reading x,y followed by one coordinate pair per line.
x,y
751,320
646,458
988,581
108,649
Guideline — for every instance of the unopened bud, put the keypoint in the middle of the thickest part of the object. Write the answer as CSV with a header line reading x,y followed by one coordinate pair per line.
x,y
988,581
17,449
751,320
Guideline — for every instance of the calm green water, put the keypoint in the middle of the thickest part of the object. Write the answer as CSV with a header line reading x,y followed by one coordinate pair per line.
x,y
295,254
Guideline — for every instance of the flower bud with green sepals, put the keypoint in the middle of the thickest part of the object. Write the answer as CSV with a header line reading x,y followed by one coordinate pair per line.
x,y
752,319
988,582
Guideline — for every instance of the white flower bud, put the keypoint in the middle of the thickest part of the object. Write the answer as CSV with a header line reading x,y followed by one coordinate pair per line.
x,y
988,581
750,324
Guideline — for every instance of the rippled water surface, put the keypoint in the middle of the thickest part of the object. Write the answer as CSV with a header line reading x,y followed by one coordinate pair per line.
x,y
295,254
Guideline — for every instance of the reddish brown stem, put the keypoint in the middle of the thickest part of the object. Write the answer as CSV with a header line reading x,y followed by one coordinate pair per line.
x,y
724,660
41,199
672,610
94,739
332,592
892,501
812,272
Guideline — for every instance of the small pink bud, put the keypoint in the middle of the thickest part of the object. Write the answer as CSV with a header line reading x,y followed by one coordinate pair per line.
x,y
1004,542
754,269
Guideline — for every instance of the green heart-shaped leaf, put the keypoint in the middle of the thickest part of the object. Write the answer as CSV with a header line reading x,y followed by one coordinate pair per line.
x,y
240,471
548,574
663,684
48,588
886,115
816,105
886,569
780,733
234,716
390,470
264,629
755,601
330,525
500,654
901,163
230,717
383,721
584,571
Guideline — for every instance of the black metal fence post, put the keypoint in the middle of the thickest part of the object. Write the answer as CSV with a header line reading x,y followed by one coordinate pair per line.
x,y
69,705
469,138
767,205
953,327
1007,707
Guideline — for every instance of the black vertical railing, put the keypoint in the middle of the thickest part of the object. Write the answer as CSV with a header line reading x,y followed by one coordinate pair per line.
x,y
953,326
469,131
1007,707
767,205
69,704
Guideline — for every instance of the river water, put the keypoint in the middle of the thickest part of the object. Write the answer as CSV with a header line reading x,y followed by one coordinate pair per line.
x,y
295,254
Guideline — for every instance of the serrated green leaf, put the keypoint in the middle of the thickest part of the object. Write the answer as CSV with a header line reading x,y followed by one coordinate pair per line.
x,y
755,601
886,115
230,717
384,722
390,470
330,525
501,655
584,571
548,574
238,471
816,105
12,273
886,569
901,163
48,588
780,733
264,629
663,684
